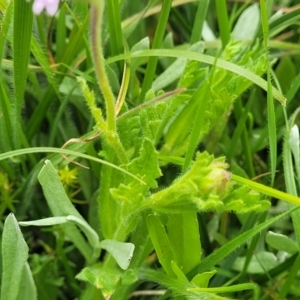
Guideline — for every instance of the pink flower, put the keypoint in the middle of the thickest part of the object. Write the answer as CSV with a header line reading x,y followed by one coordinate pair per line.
x,y
51,6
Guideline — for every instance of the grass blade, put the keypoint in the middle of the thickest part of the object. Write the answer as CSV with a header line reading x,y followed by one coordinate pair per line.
x,y
157,41
21,48
271,109
217,256
211,60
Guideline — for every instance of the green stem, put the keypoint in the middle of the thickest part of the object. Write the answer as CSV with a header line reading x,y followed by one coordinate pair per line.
x,y
97,8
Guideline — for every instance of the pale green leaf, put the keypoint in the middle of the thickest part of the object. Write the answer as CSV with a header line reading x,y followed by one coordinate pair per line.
x,y
260,263
14,257
121,252
281,242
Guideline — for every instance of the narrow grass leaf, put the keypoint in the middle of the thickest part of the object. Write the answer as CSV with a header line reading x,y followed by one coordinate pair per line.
x,y
271,109
114,26
263,189
211,60
161,243
217,256
14,153
90,233
199,21
21,48
223,21
157,42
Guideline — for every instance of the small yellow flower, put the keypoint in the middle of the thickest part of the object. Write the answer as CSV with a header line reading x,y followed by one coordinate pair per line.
x,y
68,177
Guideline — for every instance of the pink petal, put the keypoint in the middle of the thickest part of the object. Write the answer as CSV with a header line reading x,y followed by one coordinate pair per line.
x,y
52,7
38,6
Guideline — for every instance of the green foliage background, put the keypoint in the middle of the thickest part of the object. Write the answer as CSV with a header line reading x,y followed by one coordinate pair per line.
x,y
148,149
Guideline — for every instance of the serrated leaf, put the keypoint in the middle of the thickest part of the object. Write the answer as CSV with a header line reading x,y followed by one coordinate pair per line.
x,y
146,167
281,242
107,279
206,186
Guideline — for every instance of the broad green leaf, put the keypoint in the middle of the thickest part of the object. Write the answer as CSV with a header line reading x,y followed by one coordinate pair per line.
x,y
27,289
260,263
107,279
161,243
281,242
121,252
14,257
184,237
60,205
247,24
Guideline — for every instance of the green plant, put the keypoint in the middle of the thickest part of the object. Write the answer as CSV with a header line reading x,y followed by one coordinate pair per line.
x,y
138,213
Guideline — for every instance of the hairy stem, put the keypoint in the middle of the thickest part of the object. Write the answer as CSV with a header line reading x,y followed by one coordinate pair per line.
x,y
97,8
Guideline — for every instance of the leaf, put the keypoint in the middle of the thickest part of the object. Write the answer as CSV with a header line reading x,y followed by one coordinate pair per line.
x,y
64,151
247,24
14,257
27,289
60,205
184,237
182,288
202,280
161,243
218,255
175,70
146,167
21,49
281,242
107,279
260,263
82,224
121,252
232,67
